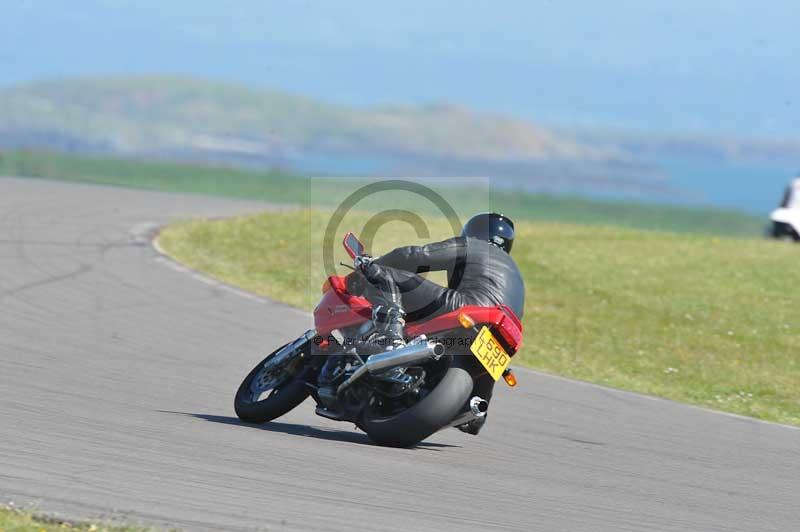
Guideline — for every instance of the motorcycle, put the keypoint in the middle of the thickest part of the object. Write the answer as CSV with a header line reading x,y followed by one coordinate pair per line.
x,y
443,377
786,218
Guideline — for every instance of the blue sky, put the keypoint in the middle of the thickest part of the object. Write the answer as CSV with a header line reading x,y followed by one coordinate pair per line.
x,y
679,66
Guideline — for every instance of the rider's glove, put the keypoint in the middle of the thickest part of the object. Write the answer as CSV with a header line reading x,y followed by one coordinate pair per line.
x,y
362,262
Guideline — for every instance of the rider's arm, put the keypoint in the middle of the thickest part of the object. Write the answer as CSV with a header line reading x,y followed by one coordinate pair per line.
x,y
438,256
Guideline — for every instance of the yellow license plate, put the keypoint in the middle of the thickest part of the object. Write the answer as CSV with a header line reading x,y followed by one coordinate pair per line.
x,y
491,354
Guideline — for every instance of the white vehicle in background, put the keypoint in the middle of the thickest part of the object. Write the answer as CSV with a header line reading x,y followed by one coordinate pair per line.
x,y
786,218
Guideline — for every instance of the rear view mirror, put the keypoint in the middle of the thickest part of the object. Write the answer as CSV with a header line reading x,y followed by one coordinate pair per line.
x,y
353,245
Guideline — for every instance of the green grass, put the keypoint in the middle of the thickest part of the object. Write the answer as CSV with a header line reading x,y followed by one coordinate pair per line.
x,y
280,187
166,176
701,319
13,520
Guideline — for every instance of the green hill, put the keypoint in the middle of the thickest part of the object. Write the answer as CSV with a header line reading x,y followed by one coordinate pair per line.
x,y
157,115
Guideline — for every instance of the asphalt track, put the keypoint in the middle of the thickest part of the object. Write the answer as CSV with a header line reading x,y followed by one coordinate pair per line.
x,y
117,373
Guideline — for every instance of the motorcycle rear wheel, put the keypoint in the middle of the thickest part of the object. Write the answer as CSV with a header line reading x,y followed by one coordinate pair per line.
x,y
283,397
432,413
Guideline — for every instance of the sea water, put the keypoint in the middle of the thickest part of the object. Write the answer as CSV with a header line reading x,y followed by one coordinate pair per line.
x,y
753,186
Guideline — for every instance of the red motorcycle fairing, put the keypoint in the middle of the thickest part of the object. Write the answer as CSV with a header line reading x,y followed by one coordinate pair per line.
x,y
338,309
500,319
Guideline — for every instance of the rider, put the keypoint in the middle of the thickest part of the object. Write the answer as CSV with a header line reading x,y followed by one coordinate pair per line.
x,y
479,269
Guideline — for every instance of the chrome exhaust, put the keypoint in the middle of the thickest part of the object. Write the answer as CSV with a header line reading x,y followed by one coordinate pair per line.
x,y
404,356
477,409
413,353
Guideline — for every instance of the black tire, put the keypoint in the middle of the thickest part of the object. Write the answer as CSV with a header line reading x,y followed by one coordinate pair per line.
x,y
281,400
782,230
433,412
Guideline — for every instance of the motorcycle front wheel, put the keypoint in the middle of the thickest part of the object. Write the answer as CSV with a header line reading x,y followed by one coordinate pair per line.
x,y
268,393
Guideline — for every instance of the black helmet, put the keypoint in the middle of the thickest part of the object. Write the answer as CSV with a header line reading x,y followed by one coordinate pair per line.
x,y
492,227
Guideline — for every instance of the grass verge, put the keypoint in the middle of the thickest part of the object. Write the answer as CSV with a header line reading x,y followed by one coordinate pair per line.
x,y
13,520
282,187
705,320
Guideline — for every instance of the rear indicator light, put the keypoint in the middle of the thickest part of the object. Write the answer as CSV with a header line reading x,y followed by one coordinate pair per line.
x,y
466,321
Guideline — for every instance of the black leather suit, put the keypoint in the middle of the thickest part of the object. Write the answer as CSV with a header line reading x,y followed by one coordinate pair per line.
x,y
478,273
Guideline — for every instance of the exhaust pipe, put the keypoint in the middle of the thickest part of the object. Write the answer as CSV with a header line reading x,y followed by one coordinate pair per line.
x,y
398,358
478,407
404,356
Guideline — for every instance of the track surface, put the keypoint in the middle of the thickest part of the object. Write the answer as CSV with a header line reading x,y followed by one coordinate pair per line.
x,y
117,374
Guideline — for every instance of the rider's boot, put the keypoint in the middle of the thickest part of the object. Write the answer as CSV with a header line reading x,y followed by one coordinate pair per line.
x,y
389,335
389,323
